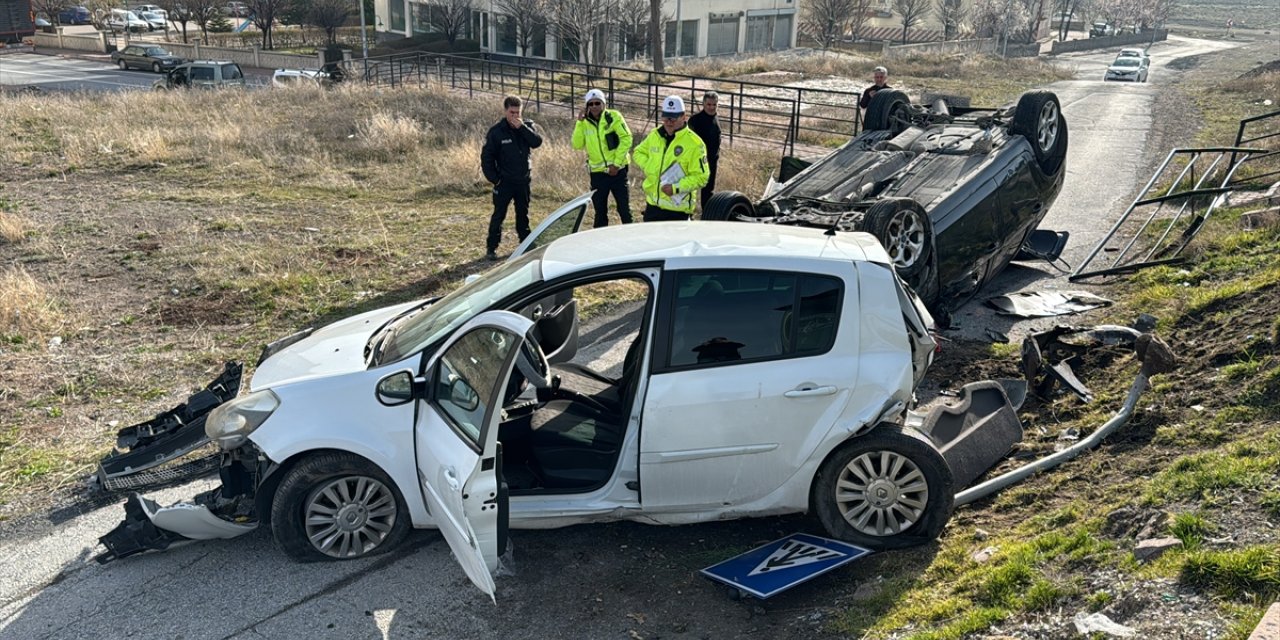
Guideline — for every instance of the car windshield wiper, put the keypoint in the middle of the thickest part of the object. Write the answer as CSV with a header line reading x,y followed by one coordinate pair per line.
x,y
373,348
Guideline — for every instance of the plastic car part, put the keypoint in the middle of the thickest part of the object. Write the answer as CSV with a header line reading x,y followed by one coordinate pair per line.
x,y
149,527
1048,356
978,431
169,435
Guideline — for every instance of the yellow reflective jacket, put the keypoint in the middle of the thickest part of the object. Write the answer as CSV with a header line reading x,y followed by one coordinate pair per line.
x,y
656,154
607,141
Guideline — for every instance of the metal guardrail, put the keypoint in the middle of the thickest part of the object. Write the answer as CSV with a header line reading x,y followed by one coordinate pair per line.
x,y
811,120
1171,209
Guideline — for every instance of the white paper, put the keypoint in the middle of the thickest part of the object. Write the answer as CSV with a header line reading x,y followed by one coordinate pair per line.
x,y
672,176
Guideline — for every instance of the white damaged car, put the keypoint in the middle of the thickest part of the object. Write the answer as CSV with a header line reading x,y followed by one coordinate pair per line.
x,y
666,373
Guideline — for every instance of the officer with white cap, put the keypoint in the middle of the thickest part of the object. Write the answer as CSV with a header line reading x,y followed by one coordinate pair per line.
x,y
603,133
674,161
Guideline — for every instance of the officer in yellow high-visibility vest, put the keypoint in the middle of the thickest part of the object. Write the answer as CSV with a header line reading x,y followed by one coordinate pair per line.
x,y
674,161
604,134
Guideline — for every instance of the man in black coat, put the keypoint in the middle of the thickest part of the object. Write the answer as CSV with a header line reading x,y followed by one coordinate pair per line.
x,y
505,160
707,126
880,78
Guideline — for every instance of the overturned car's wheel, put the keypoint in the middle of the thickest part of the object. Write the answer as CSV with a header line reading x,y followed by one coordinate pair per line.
x,y
728,205
1038,118
903,227
337,506
887,489
889,110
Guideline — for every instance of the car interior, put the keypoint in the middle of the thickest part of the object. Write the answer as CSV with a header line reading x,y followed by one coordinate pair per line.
x,y
562,429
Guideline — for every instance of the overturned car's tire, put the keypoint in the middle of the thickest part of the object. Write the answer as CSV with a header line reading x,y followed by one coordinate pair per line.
x,y
1038,118
887,489
728,205
337,506
903,228
889,110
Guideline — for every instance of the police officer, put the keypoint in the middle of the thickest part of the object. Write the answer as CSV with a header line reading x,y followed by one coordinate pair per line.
x,y
674,162
605,135
505,160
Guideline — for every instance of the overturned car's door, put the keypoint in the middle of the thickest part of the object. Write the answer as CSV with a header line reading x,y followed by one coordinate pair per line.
x,y
456,439
566,220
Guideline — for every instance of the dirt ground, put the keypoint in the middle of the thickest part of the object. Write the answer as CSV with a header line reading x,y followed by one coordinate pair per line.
x,y
125,306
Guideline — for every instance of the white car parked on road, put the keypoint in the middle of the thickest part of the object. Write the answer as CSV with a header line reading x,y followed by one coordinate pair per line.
x,y
667,373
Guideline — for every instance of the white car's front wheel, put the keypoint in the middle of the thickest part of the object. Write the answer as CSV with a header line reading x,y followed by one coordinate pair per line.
x,y
337,506
887,489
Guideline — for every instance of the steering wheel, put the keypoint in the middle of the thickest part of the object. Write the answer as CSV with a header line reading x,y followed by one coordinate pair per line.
x,y
532,363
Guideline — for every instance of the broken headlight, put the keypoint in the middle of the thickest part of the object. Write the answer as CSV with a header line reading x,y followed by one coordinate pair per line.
x,y
231,422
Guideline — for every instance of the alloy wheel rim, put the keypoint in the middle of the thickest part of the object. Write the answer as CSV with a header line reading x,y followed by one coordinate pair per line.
x,y
881,493
906,239
350,516
1047,129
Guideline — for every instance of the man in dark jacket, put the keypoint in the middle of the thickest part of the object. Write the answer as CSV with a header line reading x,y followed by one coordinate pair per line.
x,y
506,163
880,78
707,126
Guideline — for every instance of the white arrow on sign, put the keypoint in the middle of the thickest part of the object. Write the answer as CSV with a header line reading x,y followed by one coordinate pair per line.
x,y
794,553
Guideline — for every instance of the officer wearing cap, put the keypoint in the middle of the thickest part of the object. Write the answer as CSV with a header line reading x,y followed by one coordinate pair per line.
x,y
674,161
607,140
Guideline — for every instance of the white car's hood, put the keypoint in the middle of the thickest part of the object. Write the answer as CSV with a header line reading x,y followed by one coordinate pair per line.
x,y
332,349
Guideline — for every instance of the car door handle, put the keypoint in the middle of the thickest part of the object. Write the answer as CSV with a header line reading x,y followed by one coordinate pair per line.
x,y
809,392
451,478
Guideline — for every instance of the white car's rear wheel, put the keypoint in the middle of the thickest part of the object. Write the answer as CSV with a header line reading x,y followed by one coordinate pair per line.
x,y
887,489
337,506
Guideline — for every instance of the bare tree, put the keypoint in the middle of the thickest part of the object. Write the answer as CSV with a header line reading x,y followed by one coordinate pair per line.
x,y
1156,12
912,11
1035,15
577,21
826,21
952,14
655,35
633,26
449,17
327,14
858,17
998,18
529,17
50,8
264,13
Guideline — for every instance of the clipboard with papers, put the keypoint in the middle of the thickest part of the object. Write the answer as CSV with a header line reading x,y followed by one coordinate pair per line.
x,y
672,176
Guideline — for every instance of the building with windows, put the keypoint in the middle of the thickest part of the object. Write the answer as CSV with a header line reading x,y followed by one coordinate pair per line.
x,y
693,28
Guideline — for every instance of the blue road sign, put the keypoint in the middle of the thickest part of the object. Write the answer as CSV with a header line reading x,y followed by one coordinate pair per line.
x,y
775,567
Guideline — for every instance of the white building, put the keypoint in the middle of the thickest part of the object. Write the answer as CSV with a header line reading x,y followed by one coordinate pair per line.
x,y
694,28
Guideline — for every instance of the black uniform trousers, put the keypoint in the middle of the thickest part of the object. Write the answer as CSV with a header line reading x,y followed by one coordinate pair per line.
x,y
503,195
711,181
604,185
654,213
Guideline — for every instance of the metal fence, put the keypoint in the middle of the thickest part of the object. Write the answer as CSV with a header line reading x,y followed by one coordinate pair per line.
x,y
796,119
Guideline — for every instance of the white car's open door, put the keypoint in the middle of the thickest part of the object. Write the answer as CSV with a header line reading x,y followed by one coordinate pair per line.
x,y
456,439
562,222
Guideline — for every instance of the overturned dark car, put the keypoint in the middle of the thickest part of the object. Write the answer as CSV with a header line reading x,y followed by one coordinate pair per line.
x,y
953,194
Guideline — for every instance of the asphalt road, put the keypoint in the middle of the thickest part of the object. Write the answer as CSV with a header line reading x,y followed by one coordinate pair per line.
x,y
569,583
93,72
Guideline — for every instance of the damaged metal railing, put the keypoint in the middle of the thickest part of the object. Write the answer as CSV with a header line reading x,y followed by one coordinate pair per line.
x,y
1171,209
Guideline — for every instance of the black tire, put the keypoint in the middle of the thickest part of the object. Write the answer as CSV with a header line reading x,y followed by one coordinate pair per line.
x,y
889,110
904,229
728,205
867,491
155,67
124,66
370,525
1038,118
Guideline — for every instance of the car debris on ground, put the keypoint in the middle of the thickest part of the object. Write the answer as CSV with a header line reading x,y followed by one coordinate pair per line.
x,y
1045,304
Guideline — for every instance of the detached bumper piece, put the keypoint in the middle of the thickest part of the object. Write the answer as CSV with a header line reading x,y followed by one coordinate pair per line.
x,y
979,430
143,447
149,527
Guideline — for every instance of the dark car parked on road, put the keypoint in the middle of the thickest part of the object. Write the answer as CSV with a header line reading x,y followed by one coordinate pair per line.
x,y
75,15
952,194
145,56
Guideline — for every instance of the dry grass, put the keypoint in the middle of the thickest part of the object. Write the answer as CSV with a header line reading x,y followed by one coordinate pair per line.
x,y
13,229
28,311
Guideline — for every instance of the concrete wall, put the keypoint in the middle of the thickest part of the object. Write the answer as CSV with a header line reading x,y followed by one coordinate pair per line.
x,y
246,57
981,45
97,42
1110,41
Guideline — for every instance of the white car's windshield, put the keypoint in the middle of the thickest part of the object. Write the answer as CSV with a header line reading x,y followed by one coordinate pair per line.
x,y
1127,62
413,333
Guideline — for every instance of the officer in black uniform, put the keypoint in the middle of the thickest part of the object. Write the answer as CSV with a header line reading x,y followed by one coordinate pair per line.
x,y
505,160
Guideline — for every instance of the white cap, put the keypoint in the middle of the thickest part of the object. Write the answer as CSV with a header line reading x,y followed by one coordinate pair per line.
x,y
672,105
594,94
